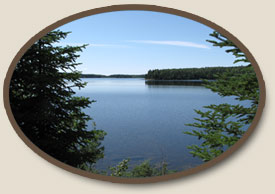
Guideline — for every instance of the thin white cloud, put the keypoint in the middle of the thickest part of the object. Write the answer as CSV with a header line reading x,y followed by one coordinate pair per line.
x,y
110,45
171,43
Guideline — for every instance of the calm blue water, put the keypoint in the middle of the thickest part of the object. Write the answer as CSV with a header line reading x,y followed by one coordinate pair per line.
x,y
146,121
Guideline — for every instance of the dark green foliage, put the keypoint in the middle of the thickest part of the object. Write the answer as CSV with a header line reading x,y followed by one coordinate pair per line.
x,y
145,169
221,41
44,106
121,169
218,132
207,73
243,86
126,76
92,76
223,125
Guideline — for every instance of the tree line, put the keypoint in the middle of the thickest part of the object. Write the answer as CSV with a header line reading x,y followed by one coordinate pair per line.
x,y
208,73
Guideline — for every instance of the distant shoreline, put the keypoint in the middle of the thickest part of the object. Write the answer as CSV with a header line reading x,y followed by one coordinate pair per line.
x,y
204,73
111,76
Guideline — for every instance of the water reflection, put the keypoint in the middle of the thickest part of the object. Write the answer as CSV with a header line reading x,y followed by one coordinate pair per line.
x,y
163,83
145,121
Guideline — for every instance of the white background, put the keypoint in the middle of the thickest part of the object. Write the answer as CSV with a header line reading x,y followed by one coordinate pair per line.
x,y
250,170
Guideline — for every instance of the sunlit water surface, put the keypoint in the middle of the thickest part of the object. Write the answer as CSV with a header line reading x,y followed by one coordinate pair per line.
x,y
146,122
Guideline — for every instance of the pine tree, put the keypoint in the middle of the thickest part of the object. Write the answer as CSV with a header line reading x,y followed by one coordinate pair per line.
x,y
221,126
44,105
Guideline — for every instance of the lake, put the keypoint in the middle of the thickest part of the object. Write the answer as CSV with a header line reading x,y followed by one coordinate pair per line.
x,y
146,122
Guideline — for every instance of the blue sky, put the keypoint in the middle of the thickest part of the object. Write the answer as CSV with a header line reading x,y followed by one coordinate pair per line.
x,y
132,42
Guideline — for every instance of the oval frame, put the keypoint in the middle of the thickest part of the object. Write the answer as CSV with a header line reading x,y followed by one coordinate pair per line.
x,y
137,7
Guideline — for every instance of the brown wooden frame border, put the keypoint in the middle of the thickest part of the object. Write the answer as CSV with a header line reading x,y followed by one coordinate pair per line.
x,y
142,8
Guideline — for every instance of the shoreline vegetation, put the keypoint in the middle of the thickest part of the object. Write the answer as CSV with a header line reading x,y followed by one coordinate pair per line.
x,y
143,169
183,74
